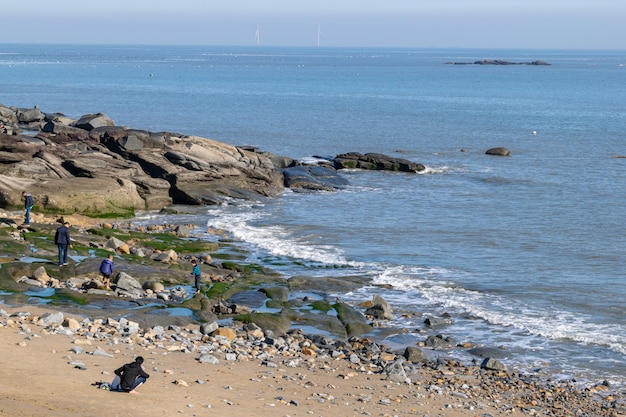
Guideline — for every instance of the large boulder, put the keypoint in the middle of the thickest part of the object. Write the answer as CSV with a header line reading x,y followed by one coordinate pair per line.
x,y
380,309
355,322
500,151
375,161
92,121
94,167
313,178
29,116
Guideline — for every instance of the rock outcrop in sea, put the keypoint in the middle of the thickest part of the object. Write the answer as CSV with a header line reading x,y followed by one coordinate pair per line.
x,y
93,167
500,62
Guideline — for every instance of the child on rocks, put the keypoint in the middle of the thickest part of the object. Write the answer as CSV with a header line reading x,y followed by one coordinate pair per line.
x,y
196,275
106,268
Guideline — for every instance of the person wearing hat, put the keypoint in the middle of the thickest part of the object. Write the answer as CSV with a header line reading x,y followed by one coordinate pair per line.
x,y
131,375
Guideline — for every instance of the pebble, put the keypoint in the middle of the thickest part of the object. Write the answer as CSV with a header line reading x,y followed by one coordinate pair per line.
x,y
475,388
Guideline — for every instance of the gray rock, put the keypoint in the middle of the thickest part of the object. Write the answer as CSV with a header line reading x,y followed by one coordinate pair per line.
x,y
436,342
380,309
101,352
314,178
27,116
114,243
92,121
153,286
77,350
395,372
207,358
208,328
375,161
488,352
437,321
48,319
414,354
493,365
498,151
126,283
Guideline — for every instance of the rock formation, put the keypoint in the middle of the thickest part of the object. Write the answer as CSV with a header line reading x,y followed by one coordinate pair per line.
x,y
92,166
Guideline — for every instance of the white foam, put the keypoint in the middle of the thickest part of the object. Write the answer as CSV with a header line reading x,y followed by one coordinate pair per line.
x,y
549,322
435,170
276,240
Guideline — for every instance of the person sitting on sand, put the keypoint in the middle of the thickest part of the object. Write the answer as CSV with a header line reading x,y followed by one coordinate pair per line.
x,y
132,376
106,268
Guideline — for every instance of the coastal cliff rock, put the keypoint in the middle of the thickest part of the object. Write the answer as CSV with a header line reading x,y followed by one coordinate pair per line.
x,y
92,166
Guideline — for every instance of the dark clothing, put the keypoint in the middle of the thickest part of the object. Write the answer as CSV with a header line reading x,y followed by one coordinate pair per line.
x,y
128,375
197,275
62,236
28,201
62,240
28,206
106,267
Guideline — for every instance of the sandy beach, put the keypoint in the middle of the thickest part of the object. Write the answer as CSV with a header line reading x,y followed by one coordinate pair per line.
x,y
43,376
42,379
54,361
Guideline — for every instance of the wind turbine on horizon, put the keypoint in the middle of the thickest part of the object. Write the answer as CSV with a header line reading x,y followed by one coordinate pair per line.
x,y
319,33
257,36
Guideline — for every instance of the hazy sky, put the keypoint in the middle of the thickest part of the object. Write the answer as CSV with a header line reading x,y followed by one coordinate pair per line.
x,y
584,24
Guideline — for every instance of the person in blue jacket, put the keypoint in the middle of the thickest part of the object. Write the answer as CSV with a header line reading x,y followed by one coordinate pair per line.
x,y
197,275
106,268
63,240
28,206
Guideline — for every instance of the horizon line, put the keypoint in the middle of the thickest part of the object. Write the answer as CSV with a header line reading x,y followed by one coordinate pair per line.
x,y
309,46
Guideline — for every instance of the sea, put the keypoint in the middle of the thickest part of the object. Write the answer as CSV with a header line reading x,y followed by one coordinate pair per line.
x,y
525,253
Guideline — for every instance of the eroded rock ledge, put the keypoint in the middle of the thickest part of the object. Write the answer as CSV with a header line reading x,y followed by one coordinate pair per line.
x,y
93,167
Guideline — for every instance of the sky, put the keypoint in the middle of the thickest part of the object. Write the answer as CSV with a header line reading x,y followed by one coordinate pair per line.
x,y
536,24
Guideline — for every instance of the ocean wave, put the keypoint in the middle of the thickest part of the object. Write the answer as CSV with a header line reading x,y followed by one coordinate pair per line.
x,y
276,240
545,321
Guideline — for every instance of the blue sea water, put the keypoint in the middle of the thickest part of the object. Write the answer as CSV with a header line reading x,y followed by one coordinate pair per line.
x,y
525,252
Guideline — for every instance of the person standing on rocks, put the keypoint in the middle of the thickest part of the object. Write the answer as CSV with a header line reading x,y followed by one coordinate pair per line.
x,y
106,268
197,275
28,206
63,240
132,376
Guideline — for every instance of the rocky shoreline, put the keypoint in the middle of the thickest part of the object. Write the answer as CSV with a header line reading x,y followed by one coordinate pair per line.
x,y
245,312
222,330
93,167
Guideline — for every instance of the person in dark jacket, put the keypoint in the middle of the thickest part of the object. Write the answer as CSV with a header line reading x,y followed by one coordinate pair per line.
x,y
106,268
28,206
63,241
131,376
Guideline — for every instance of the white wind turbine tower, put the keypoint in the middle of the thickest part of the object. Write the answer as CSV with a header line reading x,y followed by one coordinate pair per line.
x,y
257,36
319,34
